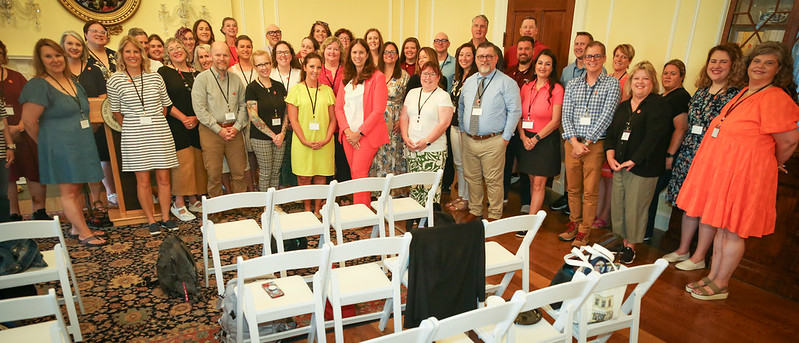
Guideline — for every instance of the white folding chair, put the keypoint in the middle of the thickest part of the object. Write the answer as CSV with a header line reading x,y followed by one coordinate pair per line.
x,y
59,265
365,282
500,316
344,217
500,260
256,306
229,235
33,307
406,208
630,314
422,334
572,295
284,225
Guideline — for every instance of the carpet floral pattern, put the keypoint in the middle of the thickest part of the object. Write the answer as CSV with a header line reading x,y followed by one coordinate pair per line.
x,y
122,307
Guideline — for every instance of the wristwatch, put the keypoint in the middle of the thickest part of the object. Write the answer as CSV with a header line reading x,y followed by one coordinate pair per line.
x,y
428,143
11,147
669,155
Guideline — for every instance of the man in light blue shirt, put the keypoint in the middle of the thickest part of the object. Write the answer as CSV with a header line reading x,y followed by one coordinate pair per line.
x,y
488,109
445,60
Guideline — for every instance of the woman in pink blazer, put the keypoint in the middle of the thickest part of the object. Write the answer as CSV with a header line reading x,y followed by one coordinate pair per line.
x,y
360,104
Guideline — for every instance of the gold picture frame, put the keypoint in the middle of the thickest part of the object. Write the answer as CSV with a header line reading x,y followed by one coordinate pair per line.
x,y
108,18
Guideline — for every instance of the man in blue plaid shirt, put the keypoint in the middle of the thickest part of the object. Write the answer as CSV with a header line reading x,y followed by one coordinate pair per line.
x,y
589,102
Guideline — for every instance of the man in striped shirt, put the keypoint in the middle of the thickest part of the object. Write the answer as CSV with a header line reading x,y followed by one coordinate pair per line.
x,y
589,102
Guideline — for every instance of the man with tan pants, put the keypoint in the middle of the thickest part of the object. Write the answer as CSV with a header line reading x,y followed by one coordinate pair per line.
x,y
589,102
218,101
488,109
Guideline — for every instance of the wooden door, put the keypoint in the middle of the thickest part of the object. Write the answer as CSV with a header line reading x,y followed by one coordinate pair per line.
x,y
554,24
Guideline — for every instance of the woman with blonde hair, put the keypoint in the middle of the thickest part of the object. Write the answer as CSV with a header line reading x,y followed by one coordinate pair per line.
x,y
636,151
55,112
202,57
139,101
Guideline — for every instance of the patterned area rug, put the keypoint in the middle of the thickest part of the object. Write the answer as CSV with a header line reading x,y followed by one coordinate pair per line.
x,y
120,307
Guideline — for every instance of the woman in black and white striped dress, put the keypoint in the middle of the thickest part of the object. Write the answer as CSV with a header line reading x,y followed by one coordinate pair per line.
x,y
139,101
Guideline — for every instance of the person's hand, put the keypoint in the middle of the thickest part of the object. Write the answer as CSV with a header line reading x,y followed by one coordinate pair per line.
x,y
9,157
410,145
352,136
233,132
579,149
669,162
223,133
627,165
15,131
421,145
614,165
782,169
506,141
278,139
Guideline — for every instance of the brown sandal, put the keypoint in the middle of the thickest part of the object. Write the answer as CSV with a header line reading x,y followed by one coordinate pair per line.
x,y
718,293
697,284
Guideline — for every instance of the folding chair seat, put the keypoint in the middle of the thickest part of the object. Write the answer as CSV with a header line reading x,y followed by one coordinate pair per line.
x,y
344,217
630,314
500,316
422,334
366,282
406,208
230,235
59,265
572,295
256,306
502,261
33,307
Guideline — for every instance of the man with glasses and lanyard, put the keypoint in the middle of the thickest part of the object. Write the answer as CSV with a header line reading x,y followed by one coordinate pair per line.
x,y
488,109
273,35
589,102
218,101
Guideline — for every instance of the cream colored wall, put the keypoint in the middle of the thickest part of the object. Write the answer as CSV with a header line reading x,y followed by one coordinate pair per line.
x,y
658,30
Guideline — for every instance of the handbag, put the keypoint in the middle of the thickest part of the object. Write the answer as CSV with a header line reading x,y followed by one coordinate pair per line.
x,y
603,305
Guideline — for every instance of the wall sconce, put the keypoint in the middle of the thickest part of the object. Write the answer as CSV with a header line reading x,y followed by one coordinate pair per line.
x,y
184,13
11,9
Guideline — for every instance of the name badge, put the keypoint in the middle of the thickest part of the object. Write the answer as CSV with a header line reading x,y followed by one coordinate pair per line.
x,y
477,111
229,116
275,121
585,120
313,126
145,121
9,111
625,136
696,129
527,125
84,124
715,132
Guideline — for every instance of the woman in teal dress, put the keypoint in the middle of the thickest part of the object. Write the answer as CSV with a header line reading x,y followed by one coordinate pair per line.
x,y
55,110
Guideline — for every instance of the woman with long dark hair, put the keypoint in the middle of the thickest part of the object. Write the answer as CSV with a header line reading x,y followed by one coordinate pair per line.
x,y
389,158
465,68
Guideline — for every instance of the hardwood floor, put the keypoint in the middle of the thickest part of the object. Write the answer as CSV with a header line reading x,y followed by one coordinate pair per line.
x,y
669,313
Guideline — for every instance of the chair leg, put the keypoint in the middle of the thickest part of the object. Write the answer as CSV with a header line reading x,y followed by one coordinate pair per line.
x,y
69,300
391,232
397,312
312,331
75,284
338,321
205,261
505,281
220,279
384,316
604,338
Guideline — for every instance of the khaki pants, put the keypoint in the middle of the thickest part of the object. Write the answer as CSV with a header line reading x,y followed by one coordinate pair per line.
x,y
629,204
583,174
189,177
484,160
214,149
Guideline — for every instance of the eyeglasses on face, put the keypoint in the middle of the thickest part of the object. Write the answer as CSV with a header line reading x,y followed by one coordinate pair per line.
x,y
274,33
263,65
484,57
389,52
99,32
440,41
429,74
282,53
592,57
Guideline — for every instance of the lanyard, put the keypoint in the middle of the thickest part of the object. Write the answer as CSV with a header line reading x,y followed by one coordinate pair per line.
x,y
314,100
185,81
139,95
224,94
622,75
532,100
288,80
103,68
421,104
2,83
246,80
335,76
480,94
738,102
271,94
75,97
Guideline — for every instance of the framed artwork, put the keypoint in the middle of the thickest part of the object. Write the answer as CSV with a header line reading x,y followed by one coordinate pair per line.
x,y
108,12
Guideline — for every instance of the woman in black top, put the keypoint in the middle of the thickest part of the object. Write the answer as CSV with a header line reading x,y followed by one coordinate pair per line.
x,y
464,68
189,178
636,150
678,99
267,112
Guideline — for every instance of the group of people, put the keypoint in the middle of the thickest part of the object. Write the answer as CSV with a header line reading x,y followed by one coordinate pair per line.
x,y
213,116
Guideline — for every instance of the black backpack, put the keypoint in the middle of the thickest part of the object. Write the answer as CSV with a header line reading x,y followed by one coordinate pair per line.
x,y
177,273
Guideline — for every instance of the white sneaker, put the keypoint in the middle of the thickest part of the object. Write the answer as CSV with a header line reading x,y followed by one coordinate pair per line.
x,y
196,207
155,199
112,198
525,209
182,213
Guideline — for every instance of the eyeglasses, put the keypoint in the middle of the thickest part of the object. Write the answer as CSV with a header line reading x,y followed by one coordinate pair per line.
x,y
389,52
592,57
428,74
484,57
282,53
440,41
274,33
96,31
263,65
